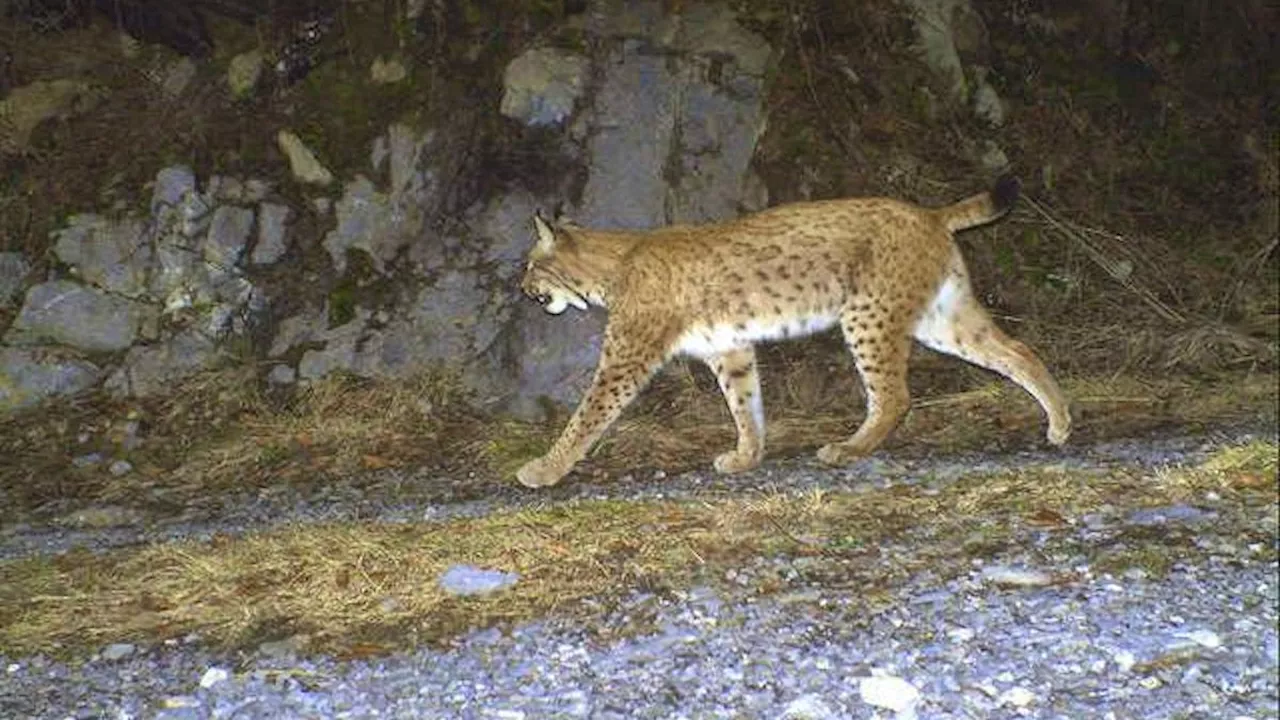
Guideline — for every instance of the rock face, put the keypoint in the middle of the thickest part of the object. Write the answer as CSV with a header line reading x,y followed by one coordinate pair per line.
x,y
661,116
654,121
683,94
160,293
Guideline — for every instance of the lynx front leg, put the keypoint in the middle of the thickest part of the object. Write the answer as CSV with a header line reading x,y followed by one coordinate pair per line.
x,y
625,367
736,372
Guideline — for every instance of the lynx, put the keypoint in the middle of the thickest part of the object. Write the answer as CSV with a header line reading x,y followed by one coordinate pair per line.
x,y
882,270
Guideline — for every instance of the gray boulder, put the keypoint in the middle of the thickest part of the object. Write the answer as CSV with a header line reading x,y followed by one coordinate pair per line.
x,y
31,375
506,226
541,86
297,329
228,236
365,222
271,244
154,369
341,351
172,184
71,314
457,316
111,254
946,32
555,357
711,29
382,223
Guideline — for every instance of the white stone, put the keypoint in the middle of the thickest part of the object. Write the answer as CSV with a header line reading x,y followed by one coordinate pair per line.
x,y
934,20
118,651
1124,660
302,161
213,676
808,707
243,72
385,72
889,692
1016,577
1017,697
1203,638
987,104
178,77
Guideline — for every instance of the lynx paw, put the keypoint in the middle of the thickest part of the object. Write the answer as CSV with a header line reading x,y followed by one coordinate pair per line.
x,y
839,454
539,473
735,462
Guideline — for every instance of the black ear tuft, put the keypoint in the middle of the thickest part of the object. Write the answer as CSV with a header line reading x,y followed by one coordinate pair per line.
x,y
1005,193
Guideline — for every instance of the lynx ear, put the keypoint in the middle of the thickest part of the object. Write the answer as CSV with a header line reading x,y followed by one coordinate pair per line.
x,y
546,235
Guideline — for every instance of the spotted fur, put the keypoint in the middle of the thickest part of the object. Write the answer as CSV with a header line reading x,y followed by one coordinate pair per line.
x,y
882,270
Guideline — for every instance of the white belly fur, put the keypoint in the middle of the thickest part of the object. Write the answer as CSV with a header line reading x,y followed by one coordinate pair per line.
x,y
703,341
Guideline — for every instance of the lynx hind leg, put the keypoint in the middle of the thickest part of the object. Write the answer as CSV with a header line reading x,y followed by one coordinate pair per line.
x,y
740,382
957,324
881,346
628,360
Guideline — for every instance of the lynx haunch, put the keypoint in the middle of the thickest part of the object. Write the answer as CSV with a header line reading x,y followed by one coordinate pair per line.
x,y
882,270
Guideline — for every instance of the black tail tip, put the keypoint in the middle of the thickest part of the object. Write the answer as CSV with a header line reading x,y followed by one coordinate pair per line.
x,y
1005,193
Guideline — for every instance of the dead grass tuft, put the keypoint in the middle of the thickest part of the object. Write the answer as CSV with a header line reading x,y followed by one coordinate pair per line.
x,y
336,426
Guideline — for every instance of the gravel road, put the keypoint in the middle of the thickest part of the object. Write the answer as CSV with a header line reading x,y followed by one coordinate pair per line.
x,y
1034,632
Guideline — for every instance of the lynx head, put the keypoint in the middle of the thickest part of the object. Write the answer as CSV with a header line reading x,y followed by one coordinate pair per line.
x,y
552,276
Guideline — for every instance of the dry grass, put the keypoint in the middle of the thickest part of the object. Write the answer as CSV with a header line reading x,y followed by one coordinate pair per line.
x,y
359,588
336,426
220,433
